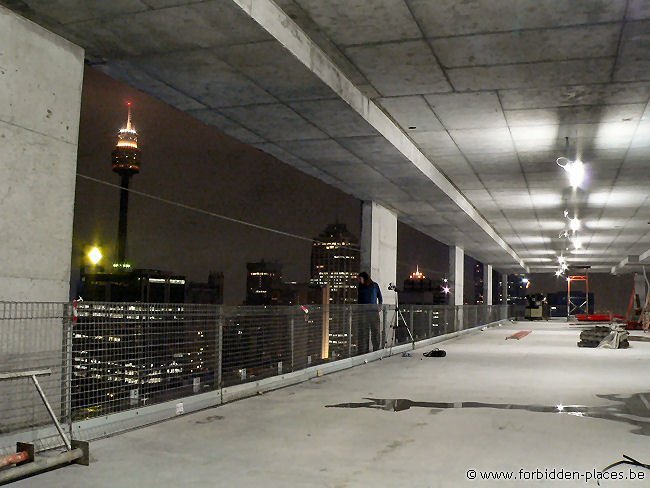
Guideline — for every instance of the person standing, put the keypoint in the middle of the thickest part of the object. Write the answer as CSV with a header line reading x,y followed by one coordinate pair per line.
x,y
369,295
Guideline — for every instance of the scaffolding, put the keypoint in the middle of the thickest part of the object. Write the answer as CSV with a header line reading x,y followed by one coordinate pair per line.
x,y
577,305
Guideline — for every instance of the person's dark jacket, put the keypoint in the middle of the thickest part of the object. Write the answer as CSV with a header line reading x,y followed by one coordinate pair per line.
x,y
370,294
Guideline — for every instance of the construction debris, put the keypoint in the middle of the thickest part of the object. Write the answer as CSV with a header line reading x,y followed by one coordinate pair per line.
x,y
519,335
605,337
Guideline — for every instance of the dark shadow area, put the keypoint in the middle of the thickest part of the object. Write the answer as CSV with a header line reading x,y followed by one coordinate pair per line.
x,y
633,409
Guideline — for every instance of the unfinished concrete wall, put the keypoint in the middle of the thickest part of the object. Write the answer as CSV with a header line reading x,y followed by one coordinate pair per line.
x,y
40,96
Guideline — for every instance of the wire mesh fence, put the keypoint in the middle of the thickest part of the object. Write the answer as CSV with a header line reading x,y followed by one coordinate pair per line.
x,y
112,357
129,355
33,337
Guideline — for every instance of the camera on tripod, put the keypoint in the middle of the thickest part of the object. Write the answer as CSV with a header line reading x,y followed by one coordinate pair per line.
x,y
392,287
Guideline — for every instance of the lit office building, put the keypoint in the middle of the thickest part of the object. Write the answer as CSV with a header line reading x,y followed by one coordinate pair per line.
x,y
335,259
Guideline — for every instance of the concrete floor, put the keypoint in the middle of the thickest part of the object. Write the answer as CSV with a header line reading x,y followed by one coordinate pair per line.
x,y
290,438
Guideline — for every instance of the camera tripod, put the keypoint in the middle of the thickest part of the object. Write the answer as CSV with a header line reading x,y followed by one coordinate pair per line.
x,y
398,321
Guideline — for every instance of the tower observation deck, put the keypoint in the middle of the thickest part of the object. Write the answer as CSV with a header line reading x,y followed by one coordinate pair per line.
x,y
126,163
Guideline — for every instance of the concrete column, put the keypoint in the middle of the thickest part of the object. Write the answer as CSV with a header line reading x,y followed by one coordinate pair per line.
x,y
379,246
40,100
504,287
640,288
487,284
456,274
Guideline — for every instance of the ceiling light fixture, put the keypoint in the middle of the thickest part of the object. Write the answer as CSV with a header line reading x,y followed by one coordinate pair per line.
x,y
575,170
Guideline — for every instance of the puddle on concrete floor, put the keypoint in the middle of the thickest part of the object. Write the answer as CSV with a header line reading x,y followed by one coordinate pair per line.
x,y
209,419
633,409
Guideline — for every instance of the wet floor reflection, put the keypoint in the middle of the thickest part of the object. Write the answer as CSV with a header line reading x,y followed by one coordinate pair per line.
x,y
633,409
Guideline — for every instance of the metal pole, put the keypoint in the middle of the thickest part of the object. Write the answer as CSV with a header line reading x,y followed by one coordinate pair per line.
x,y
293,341
219,347
66,441
16,458
41,464
349,309
568,298
66,370
587,292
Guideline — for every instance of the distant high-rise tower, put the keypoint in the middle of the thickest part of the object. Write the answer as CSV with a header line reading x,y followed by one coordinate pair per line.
x,y
335,262
261,277
420,290
126,163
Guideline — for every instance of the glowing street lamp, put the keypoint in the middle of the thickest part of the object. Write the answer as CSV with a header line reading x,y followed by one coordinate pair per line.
x,y
94,255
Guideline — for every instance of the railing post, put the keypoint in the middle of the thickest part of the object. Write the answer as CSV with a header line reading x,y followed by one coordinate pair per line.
x,y
66,369
384,324
349,308
411,319
293,339
219,348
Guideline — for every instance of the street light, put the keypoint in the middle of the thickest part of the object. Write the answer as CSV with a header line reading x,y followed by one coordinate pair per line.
x,y
95,255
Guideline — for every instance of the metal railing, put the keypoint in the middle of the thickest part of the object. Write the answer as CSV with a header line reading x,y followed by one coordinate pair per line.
x,y
108,358
34,336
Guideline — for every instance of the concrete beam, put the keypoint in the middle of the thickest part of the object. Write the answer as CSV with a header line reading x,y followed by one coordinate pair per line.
x,y
286,31
631,260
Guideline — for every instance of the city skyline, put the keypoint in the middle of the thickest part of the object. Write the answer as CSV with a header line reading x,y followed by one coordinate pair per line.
x,y
192,242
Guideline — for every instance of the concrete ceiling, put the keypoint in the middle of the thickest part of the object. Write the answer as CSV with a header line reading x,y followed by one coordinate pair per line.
x,y
451,113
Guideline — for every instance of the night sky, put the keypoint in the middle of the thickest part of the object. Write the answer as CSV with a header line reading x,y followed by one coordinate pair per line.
x,y
191,163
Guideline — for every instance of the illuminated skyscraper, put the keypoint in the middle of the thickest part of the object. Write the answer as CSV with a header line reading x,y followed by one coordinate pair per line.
x,y
126,163
335,262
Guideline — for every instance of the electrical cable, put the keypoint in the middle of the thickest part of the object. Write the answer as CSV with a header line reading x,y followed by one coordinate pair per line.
x,y
231,219
628,460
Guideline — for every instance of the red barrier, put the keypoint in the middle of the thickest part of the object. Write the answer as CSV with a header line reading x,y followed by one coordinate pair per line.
x,y
597,317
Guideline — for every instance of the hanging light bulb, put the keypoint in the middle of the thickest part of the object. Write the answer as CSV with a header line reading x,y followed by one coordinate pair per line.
x,y
577,243
574,224
576,173
575,170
